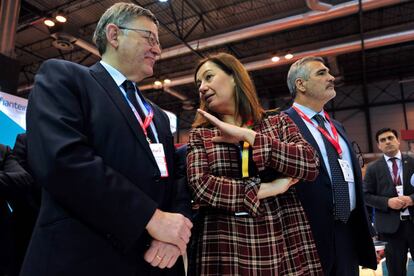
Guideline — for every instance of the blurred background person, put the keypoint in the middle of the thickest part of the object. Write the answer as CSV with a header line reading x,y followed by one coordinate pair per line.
x,y
16,220
251,222
387,188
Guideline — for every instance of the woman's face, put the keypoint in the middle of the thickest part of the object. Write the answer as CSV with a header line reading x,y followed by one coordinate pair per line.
x,y
216,88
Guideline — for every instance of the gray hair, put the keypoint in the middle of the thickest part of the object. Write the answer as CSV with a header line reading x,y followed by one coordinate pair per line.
x,y
299,70
118,14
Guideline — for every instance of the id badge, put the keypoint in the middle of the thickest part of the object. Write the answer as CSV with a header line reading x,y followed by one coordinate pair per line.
x,y
346,170
399,189
159,155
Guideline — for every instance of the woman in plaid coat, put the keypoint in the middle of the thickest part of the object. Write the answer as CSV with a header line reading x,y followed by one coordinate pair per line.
x,y
241,163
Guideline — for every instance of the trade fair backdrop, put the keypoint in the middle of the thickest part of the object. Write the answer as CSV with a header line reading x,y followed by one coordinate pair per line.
x,y
12,118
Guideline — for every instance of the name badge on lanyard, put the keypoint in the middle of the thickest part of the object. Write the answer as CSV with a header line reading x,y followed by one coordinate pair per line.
x,y
159,155
157,149
346,170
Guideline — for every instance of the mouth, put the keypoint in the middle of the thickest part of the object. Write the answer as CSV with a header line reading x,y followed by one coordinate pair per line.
x,y
330,86
208,98
150,59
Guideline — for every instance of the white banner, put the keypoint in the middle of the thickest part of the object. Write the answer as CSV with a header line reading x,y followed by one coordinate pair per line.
x,y
12,117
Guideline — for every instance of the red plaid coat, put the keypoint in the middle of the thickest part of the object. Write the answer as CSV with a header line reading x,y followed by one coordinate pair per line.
x,y
274,238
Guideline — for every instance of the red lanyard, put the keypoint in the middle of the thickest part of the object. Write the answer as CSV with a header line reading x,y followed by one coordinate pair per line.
x,y
334,141
147,122
148,119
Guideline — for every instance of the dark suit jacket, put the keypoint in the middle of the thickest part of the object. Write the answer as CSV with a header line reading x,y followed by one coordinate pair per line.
x,y
316,198
101,184
379,187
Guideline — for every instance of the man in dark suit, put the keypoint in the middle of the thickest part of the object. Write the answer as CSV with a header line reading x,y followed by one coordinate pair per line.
x,y
334,201
387,188
104,156
15,184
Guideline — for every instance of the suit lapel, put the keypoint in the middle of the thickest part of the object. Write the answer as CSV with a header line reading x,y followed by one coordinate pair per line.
x,y
306,134
406,172
109,86
355,163
160,127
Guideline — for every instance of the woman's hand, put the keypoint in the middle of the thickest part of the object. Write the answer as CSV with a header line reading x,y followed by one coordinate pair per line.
x,y
277,186
229,133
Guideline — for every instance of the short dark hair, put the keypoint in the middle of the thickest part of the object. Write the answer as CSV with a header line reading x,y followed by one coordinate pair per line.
x,y
383,130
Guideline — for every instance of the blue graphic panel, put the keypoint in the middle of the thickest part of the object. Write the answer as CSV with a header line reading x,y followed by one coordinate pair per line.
x,y
8,130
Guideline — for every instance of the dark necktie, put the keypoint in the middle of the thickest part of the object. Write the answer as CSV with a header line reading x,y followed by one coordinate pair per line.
x,y
339,185
396,178
130,90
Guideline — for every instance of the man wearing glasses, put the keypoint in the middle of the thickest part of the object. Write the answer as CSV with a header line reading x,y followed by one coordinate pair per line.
x,y
387,189
104,156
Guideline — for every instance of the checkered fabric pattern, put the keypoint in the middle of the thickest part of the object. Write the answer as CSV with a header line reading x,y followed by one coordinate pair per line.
x,y
275,237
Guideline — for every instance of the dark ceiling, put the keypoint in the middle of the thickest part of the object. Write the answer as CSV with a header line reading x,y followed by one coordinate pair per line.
x,y
384,25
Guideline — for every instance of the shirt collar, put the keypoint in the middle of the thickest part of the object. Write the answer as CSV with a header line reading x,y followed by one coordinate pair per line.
x,y
398,156
118,77
309,112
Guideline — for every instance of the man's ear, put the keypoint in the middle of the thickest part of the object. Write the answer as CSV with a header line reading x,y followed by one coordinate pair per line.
x,y
300,86
112,34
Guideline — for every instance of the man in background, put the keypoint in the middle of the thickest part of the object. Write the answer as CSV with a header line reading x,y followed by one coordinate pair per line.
x,y
334,201
387,188
16,220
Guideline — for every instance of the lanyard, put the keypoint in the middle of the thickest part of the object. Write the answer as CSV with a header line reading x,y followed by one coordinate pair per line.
x,y
396,179
333,140
148,119
245,153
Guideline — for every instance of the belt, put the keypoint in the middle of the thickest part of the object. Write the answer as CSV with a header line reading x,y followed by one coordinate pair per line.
x,y
405,217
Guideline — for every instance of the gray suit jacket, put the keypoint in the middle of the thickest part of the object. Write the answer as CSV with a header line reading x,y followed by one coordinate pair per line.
x,y
379,187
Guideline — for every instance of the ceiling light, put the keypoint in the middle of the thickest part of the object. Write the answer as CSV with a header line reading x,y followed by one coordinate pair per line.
x,y
60,18
157,84
167,81
48,22
275,59
288,56
163,0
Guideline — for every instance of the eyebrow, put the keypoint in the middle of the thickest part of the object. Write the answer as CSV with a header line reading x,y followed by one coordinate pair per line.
x,y
388,137
204,73
322,70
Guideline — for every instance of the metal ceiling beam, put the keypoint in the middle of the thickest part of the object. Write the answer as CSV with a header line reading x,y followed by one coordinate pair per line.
x,y
9,15
278,25
339,49
265,28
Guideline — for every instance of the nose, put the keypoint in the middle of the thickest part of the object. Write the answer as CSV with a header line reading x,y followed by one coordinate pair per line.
x,y
156,49
203,88
331,78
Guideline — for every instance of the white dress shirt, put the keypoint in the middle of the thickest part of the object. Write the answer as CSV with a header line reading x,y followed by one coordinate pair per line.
x,y
317,135
119,79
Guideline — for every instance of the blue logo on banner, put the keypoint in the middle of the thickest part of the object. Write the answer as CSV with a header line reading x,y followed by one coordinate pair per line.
x,y
9,130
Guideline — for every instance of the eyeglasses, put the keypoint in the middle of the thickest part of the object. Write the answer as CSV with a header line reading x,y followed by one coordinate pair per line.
x,y
151,38
358,153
